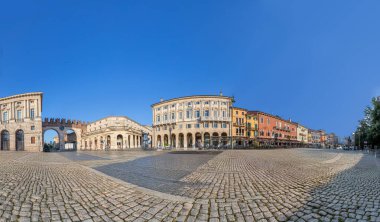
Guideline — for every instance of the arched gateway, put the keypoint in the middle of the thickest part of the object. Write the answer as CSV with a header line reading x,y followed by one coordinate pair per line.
x,y
69,132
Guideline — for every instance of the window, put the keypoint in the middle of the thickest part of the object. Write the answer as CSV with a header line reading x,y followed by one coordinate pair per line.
x,y
261,120
173,116
206,103
268,121
236,112
215,125
215,113
188,114
180,115
205,125
33,140
224,125
165,107
237,131
32,113
5,116
189,103
158,109
180,126
197,102
197,125
32,128
207,113
158,118
173,106
18,115
165,117
188,126
197,114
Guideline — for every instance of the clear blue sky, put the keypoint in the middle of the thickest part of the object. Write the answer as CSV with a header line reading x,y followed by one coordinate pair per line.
x,y
316,62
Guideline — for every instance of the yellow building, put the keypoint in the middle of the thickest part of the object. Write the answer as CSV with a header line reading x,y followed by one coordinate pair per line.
x,y
252,128
239,126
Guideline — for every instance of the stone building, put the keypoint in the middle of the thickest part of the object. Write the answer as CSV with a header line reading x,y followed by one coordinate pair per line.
x,y
114,133
192,121
21,123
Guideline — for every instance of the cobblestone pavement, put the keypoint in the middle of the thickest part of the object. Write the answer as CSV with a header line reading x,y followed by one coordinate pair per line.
x,y
254,185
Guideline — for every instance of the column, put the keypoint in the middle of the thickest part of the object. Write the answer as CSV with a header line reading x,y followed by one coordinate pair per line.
x,y
185,141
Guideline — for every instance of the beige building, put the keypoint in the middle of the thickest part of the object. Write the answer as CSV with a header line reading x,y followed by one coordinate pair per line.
x,y
192,121
302,134
21,123
114,133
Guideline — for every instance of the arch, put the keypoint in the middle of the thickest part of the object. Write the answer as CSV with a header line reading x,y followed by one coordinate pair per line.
x,y
173,140
198,140
20,140
207,140
215,140
101,143
119,140
181,139
189,140
166,140
159,143
224,139
5,140
54,144
96,143
129,141
108,142
70,140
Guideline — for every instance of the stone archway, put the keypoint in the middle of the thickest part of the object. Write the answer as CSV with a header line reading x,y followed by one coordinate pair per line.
x,y
5,140
181,138
20,145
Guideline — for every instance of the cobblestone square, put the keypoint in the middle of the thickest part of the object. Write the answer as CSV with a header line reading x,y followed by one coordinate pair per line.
x,y
234,185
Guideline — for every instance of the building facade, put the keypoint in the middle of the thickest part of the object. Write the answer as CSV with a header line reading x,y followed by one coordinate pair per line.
x,y
252,129
21,123
275,131
239,126
302,134
315,140
192,122
114,133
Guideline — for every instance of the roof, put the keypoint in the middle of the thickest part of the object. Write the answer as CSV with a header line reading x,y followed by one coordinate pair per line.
x,y
22,95
273,116
191,97
125,117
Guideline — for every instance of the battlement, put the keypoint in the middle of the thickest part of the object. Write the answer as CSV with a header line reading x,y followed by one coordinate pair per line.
x,y
63,122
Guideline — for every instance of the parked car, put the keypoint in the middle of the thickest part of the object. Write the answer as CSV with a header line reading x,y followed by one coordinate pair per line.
x,y
339,148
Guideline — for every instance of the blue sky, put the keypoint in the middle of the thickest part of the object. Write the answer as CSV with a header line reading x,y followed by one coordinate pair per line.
x,y
316,62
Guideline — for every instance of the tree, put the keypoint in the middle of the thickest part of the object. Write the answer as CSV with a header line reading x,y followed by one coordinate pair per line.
x,y
375,123
369,127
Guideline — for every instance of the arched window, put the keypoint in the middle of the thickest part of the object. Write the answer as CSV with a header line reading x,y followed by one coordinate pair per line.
x,y
4,140
19,140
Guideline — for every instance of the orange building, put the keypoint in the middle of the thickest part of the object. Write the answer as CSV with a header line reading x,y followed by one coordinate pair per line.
x,y
275,131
